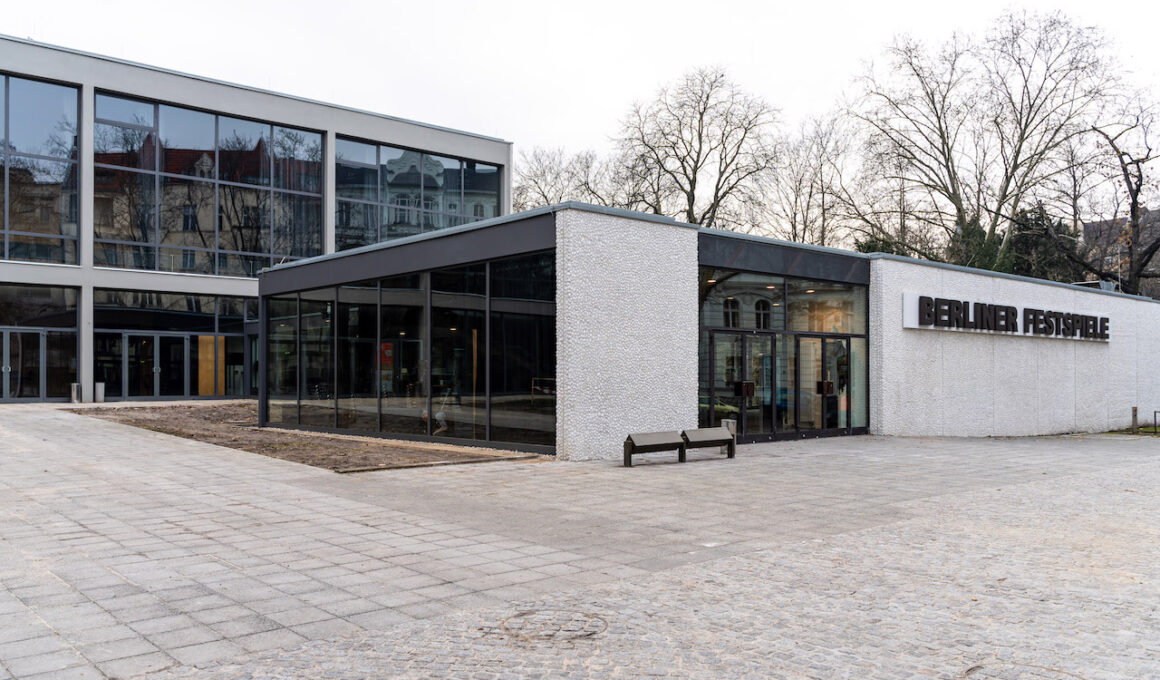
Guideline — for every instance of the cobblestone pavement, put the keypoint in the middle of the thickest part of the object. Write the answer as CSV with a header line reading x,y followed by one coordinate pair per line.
x,y
124,552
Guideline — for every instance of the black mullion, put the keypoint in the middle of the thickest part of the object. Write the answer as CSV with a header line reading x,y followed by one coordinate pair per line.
x,y
486,343
379,356
430,341
335,319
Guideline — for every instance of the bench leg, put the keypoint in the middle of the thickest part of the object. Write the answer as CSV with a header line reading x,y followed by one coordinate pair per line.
x,y
627,454
681,454
732,448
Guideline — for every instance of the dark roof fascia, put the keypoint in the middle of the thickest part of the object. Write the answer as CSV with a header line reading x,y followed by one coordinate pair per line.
x,y
451,248
727,250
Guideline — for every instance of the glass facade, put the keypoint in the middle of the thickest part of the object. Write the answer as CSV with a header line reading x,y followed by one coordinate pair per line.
x,y
149,344
38,186
783,356
38,342
181,190
464,353
385,192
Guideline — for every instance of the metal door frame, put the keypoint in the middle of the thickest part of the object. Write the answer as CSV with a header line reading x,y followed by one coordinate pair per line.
x,y
823,431
742,413
155,336
6,366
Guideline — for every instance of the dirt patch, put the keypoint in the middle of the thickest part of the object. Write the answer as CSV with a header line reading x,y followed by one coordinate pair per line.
x,y
236,426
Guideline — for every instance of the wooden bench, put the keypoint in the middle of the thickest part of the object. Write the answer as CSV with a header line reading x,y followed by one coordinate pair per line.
x,y
711,436
647,442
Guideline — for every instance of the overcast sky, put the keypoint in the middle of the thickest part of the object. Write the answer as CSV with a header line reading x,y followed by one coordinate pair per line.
x,y
536,73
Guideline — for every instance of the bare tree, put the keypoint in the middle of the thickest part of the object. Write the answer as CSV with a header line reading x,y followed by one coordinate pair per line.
x,y
695,149
803,189
980,130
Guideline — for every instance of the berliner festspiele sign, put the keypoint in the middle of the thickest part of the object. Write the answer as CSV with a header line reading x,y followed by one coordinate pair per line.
x,y
930,312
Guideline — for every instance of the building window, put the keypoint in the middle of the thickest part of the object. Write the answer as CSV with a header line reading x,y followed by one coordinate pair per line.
x,y
477,211
189,218
732,313
761,311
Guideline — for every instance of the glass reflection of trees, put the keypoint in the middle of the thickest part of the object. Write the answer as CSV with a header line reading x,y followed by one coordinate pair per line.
x,y
39,171
173,194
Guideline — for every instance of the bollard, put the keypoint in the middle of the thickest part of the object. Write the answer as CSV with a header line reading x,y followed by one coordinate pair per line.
x,y
1135,422
731,425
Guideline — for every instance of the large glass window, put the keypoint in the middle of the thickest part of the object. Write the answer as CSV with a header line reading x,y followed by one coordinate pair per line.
x,y
523,349
39,189
38,342
782,356
420,356
384,192
190,191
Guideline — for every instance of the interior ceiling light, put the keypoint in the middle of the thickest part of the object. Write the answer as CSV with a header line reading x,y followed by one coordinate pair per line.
x,y
770,287
810,290
711,281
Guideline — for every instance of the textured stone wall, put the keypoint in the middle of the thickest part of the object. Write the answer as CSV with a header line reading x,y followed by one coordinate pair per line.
x,y
626,331
953,383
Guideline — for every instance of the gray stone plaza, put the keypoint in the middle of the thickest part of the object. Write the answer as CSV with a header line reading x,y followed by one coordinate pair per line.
x,y
126,553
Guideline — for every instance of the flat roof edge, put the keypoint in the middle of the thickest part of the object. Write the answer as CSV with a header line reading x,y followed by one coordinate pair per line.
x,y
769,240
248,88
1004,275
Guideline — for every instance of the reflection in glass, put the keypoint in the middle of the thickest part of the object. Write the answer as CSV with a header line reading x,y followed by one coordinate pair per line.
x,y
786,391
123,206
400,175
357,382
826,307
232,371
185,260
282,360
457,373
836,384
759,409
38,306
243,216
442,183
812,391
107,362
23,363
187,215
42,196
297,225
481,189
39,249
124,110
728,371
402,356
187,142
141,364
171,366
243,151
741,300
124,146
523,349
230,264
317,375
354,152
230,313
859,384
355,224
42,118
148,310
297,160
124,256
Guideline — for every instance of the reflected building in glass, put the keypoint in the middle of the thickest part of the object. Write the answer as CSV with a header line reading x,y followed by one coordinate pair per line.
x,y
147,202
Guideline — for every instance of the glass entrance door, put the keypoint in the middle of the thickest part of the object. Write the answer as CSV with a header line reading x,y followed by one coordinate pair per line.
x,y
21,365
747,384
824,375
156,365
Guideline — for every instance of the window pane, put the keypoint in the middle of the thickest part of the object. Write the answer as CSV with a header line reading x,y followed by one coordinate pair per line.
x,y
402,356
60,363
297,160
38,306
124,256
480,190
107,362
37,249
234,369
126,147
442,183
355,224
358,407
458,342
297,225
355,152
230,314
317,379
186,142
825,307
400,175
859,383
243,151
400,222
244,219
356,181
469,280
124,110
186,261
42,196
282,360
152,311
230,264
523,350
42,118
187,213
740,300
123,206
